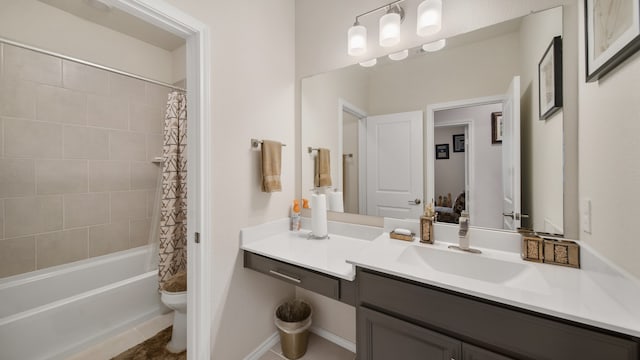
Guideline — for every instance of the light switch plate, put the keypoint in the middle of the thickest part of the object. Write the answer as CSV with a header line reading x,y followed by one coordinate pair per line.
x,y
585,215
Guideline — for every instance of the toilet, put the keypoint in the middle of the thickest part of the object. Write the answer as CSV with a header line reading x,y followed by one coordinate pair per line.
x,y
174,296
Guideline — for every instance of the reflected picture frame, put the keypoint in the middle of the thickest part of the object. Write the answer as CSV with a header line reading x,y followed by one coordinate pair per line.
x,y
458,143
442,151
496,127
550,80
611,36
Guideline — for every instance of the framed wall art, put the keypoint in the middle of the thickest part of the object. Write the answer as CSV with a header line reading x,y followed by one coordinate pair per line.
x,y
442,151
496,127
458,143
550,80
612,34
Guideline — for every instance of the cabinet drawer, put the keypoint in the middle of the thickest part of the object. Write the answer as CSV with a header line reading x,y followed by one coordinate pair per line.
x,y
491,326
311,280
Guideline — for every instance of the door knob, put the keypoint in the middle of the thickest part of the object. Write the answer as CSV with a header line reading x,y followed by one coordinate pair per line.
x,y
516,216
415,202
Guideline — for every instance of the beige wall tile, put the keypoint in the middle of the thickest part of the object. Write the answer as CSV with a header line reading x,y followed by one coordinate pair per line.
x,y
32,66
17,255
61,247
62,176
128,205
145,118
109,176
32,215
86,143
125,87
144,175
154,146
156,95
151,200
140,232
107,112
1,219
17,177
1,137
84,78
125,145
17,98
86,209
23,138
61,105
105,239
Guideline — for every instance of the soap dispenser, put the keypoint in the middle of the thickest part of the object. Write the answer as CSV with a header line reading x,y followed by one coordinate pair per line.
x,y
426,224
295,216
463,233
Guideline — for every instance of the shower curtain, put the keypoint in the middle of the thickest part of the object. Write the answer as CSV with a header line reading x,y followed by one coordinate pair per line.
x,y
173,211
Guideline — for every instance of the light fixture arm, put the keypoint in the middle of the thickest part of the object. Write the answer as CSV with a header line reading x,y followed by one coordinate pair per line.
x,y
390,7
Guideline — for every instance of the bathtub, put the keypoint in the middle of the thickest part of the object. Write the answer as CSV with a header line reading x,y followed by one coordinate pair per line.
x,y
54,312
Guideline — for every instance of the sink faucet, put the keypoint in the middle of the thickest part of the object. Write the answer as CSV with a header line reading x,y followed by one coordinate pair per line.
x,y
463,234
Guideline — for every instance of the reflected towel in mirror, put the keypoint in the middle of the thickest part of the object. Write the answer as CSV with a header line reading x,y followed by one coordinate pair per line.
x,y
323,168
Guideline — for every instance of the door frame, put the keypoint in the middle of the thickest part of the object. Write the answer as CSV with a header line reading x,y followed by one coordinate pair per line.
x,y
345,106
430,124
199,166
469,160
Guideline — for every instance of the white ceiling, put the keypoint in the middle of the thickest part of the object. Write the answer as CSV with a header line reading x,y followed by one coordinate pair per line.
x,y
119,21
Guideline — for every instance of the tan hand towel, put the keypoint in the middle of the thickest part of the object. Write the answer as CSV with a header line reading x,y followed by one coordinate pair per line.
x,y
323,168
271,164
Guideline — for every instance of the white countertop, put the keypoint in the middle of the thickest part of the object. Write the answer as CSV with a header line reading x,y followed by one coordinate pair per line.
x,y
598,294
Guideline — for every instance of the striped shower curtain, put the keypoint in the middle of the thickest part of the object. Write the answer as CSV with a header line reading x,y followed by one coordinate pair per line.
x,y
173,211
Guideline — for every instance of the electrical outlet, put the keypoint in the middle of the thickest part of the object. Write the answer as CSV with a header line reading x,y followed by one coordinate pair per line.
x,y
585,216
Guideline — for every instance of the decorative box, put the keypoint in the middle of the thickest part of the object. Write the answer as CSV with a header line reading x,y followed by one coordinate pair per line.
x,y
426,229
562,252
532,247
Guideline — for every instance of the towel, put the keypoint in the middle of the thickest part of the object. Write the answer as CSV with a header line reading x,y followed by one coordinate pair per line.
x,y
271,164
323,168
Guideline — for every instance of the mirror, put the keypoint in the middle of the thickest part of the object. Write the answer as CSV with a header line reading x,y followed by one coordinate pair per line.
x,y
402,133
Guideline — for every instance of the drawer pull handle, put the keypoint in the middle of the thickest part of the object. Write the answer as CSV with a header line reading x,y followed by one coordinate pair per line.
x,y
297,281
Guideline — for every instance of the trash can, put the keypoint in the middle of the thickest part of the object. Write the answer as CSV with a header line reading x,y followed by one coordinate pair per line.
x,y
293,319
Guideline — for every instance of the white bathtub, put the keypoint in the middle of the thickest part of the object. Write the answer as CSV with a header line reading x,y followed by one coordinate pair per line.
x,y
54,312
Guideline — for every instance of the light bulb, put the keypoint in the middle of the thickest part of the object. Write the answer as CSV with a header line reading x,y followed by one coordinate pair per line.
x,y
357,40
434,46
429,17
389,29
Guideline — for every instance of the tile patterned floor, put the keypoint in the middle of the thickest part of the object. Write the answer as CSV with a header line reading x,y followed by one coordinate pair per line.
x,y
318,349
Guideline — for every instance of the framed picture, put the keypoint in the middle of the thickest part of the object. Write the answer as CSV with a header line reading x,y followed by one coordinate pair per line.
x,y
550,80
442,151
458,143
612,34
496,127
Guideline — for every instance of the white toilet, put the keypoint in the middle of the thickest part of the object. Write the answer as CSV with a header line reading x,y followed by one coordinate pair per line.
x,y
177,301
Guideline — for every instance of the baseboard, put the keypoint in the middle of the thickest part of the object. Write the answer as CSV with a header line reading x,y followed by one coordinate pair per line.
x,y
340,341
264,347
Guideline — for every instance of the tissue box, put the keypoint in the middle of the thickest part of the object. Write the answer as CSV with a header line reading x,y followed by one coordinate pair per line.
x,y
532,247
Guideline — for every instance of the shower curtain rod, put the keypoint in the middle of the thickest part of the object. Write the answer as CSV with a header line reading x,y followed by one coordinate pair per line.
x,y
102,67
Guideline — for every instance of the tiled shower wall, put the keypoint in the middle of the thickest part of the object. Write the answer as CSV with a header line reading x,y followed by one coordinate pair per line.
x,y
76,144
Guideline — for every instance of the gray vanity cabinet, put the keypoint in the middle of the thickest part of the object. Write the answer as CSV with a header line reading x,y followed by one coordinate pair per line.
x,y
401,319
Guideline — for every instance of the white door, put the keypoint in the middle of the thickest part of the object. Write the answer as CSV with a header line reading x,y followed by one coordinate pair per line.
x,y
511,156
394,165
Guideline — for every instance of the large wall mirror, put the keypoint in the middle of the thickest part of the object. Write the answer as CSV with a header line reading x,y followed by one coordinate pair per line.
x,y
459,126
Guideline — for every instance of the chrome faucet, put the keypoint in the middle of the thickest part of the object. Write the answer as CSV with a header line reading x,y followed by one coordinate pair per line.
x,y
463,234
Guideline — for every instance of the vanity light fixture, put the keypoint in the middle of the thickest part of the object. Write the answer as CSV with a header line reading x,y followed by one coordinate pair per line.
x,y
369,63
389,26
357,39
400,55
435,46
429,17
389,34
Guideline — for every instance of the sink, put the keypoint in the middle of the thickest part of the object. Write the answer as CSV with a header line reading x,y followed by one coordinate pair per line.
x,y
475,266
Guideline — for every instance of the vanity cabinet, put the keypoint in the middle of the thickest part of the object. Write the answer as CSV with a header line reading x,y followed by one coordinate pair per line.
x,y
397,316
327,285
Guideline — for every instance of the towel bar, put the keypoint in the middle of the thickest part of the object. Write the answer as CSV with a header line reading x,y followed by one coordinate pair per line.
x,y
255,143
